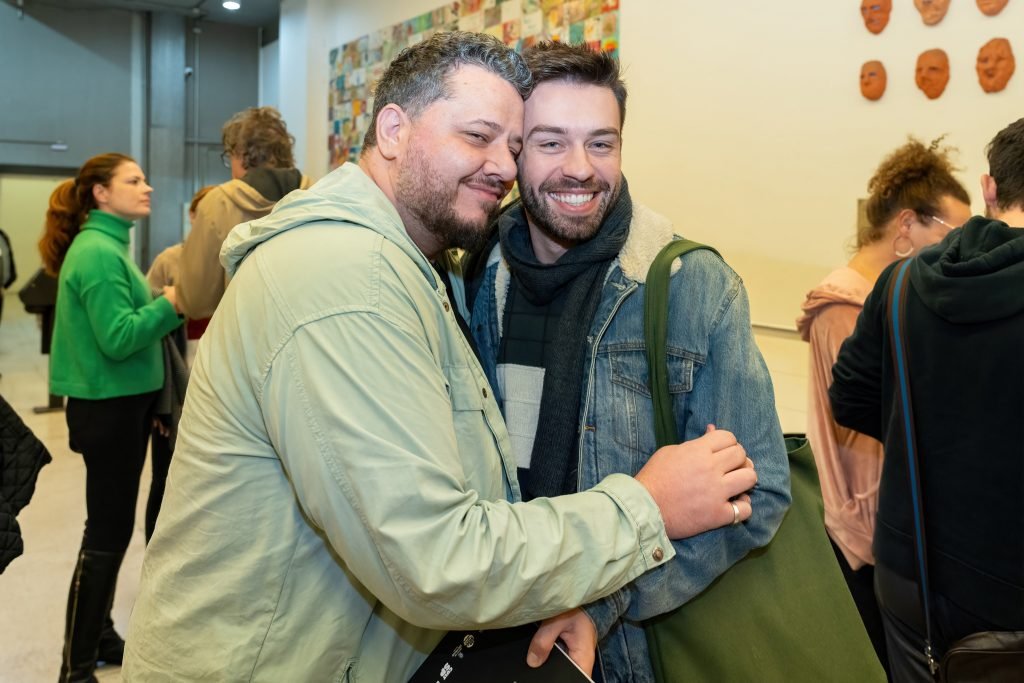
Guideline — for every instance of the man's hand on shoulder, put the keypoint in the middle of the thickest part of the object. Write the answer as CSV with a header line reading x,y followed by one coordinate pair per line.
x,y
701,484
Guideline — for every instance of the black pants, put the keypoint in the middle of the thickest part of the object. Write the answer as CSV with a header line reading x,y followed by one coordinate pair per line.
x,y
900,603
160,462
112,435
861,583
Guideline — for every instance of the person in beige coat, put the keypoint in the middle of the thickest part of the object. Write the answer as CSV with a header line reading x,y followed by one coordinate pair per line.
x,y
258,149
914,202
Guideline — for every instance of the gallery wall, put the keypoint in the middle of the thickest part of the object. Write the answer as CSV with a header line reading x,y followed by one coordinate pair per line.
x,y
746,124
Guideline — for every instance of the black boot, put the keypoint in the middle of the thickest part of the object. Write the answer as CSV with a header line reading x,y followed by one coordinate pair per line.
x,y
92,586
111,645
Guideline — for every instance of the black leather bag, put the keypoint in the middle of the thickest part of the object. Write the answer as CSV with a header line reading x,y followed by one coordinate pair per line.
x,y
984,657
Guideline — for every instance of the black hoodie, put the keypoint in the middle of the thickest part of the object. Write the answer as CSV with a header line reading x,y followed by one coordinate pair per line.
x,y
965,340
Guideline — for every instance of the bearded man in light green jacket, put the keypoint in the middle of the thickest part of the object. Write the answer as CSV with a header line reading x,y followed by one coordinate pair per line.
x,y
343,490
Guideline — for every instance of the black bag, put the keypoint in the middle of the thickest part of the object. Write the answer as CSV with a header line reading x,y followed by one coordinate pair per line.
x,y
985,657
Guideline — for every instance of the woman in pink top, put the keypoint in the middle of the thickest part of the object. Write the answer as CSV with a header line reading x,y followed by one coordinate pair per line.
x,y
914,201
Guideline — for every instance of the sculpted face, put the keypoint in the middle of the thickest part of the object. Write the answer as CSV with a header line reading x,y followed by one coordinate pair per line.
x,y
875,14
872,80
932,11
995,64
932,73
991,8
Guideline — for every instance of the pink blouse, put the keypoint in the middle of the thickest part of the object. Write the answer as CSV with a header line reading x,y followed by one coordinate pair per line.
x,y
849,463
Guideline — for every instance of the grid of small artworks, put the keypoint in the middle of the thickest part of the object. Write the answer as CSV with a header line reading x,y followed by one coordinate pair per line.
x,y
356,66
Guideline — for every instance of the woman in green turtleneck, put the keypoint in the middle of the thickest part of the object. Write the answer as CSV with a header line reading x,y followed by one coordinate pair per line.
x,y
106,357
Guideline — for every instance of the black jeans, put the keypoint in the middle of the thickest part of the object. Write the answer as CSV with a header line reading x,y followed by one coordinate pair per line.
x,y
160,461
861,583
112,435
900,603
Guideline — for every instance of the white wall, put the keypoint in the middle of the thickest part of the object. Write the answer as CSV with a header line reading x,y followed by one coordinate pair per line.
x,y
270,75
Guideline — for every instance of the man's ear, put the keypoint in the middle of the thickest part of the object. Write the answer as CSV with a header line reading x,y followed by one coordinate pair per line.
x,y
989,191
392,130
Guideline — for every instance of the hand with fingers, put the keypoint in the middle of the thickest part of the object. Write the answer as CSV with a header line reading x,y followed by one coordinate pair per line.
x,y
700,484
577,632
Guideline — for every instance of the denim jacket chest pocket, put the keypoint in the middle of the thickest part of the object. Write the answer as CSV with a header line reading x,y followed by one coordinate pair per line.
x,y
632,408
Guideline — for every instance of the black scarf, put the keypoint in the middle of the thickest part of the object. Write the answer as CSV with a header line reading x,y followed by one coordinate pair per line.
x,y
581,271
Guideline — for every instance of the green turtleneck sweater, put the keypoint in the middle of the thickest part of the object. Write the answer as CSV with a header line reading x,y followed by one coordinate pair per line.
x,y
107,329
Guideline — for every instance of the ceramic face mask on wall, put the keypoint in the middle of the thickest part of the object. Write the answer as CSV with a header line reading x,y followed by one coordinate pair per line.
x,y
991,8
995,64
932,72
932,11
873,80
875,14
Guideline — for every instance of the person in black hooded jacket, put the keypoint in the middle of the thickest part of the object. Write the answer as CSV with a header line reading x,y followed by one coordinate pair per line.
x,y
22,455
965,354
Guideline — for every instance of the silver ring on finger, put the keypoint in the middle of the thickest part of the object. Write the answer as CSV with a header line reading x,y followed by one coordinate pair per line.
x,y
735,513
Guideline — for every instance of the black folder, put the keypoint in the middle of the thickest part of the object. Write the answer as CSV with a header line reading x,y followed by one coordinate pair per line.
x,y
497,656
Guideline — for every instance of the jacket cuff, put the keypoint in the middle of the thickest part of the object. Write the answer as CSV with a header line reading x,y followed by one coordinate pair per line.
x,y
604,613
655,546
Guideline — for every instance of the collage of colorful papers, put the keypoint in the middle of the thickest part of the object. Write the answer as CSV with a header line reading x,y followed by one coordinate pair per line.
x,y
358,65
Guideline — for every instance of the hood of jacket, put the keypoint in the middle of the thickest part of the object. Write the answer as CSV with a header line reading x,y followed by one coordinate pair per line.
x,y
842,286
974,274
346,197
261,188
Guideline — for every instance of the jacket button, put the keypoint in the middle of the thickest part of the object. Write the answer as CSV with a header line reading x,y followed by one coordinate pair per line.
x,y
484,391
446,307
658,555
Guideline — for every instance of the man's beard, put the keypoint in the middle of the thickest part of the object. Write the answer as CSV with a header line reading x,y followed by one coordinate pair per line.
x,y
561,227
431,197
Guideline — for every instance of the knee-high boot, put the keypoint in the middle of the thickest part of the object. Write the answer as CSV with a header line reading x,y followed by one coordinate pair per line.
x,y
92,586
111,646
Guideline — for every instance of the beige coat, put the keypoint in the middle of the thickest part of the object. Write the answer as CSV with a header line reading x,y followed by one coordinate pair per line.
x,y
202,280
849,463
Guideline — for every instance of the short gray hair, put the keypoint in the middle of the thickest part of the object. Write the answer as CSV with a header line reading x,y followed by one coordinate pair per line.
x,y
418,76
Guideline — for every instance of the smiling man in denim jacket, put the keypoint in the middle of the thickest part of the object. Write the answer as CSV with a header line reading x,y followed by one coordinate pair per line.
x,y
558,318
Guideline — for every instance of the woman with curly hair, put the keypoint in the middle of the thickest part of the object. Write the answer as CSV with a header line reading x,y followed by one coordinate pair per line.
x,y
914,202
106,357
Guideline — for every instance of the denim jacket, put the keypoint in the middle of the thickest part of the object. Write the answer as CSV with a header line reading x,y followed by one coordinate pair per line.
x,y
716,376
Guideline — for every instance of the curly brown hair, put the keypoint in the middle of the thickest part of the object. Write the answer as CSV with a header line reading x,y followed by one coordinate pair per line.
x,y
70,205
912,177
260,137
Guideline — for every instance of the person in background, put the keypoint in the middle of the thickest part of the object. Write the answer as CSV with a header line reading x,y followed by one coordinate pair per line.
x,y
107,359
964,333
258,150
914,202
163,272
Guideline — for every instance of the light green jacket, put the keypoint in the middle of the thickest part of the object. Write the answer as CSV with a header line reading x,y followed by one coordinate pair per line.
x,y
343,484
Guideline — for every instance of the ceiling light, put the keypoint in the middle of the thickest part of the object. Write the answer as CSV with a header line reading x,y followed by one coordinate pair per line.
x,y
232,5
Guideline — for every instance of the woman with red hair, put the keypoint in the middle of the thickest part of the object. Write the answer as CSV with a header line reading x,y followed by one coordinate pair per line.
x,y
106,357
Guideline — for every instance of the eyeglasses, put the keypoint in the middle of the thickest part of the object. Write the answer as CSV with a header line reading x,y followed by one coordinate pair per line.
x,y
225,158
942,222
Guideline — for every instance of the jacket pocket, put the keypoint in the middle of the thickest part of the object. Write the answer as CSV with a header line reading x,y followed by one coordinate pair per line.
x,y
632,408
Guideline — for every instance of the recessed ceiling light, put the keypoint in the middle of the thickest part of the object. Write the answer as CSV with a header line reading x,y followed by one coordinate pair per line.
x,y
232,5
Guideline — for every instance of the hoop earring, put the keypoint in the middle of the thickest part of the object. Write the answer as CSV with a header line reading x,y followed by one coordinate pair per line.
x,y
907,252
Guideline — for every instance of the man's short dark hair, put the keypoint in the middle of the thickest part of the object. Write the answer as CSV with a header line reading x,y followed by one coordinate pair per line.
x,y
418,76
1006,165
553,61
